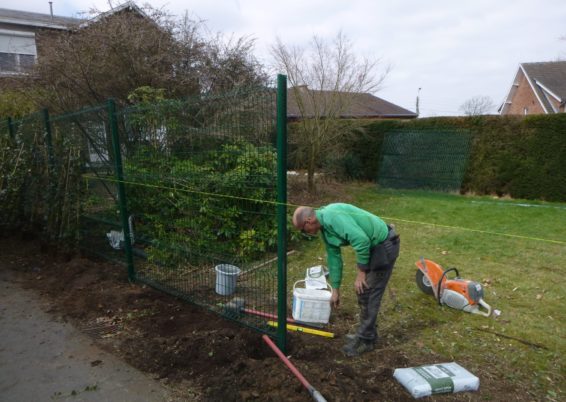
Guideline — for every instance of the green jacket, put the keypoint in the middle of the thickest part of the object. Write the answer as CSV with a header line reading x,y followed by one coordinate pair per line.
x,y
345,224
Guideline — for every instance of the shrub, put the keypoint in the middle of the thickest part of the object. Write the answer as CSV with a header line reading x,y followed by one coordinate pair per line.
x,y
219,202
510,155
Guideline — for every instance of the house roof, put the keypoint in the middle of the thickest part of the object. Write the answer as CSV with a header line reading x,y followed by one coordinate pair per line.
x,y
128,5
37,20
361,105
547,79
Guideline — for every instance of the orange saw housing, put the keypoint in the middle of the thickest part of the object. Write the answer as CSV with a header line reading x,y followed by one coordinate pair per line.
x,y
461,294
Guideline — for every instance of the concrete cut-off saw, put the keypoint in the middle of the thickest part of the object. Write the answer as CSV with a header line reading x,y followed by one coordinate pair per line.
x,y
460,294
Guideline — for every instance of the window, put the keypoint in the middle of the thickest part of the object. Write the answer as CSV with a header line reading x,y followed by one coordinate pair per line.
x,y
526,111
26,61
17,51
15,63
7,62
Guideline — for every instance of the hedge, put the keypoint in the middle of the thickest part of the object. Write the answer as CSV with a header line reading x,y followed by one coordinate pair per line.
x,y
523,157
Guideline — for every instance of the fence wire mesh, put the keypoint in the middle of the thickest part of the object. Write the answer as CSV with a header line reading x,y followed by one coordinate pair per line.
x,y
23,193
200,178
424,159
9,157
86,185
183,192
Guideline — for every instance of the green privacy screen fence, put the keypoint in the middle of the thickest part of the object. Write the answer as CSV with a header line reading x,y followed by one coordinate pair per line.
x,y
190,195
424,159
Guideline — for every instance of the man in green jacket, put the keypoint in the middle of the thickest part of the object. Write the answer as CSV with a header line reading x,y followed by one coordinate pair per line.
x,y
377,247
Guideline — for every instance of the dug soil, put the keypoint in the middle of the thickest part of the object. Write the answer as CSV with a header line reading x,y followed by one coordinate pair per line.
x,y
200,354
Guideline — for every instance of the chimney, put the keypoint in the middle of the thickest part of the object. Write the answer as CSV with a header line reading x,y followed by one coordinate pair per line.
x,y
51,9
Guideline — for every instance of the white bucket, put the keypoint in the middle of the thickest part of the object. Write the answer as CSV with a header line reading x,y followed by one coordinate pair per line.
x,y
436,379
226,277
311,305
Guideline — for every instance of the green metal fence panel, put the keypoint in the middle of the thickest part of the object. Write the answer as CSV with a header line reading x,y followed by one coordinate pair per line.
x,y
88,214
9,161
424,159
119,175
200,179
24,167
189,194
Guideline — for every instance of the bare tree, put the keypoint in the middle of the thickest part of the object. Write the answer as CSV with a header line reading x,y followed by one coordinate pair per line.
x,y
115,53
324,76
230,63
477,105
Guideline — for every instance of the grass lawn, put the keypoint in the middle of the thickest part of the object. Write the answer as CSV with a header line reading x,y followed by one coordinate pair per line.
x,y
515,248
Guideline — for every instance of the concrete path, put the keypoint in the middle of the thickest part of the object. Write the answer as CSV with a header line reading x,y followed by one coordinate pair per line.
x,y
45,360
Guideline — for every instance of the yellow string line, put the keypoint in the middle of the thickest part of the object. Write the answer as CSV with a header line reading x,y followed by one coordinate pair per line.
x,y
188,190
477,231
184,189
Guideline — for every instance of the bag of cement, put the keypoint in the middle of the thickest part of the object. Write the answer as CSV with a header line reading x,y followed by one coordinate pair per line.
x,y
436,379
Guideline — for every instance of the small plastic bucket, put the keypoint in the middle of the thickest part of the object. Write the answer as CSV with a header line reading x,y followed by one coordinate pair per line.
x,y
226,277
311,305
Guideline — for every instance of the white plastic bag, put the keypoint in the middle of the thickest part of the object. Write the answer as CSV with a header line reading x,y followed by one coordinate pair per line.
x,y
116,239
316,277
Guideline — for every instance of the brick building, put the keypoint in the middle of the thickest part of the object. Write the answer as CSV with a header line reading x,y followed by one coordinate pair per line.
x,y
538,88
19,38
21,35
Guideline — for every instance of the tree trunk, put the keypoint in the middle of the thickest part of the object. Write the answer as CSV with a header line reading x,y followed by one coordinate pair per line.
x,y
311,168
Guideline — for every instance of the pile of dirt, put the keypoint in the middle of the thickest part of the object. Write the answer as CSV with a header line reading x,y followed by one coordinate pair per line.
x,y
192,349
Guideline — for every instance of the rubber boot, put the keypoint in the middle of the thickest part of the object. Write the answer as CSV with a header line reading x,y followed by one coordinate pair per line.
x,y
358,347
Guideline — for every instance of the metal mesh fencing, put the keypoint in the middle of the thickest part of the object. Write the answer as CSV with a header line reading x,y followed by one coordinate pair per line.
x,y
9,157
200,177
24,164
190,195
88,210
424,159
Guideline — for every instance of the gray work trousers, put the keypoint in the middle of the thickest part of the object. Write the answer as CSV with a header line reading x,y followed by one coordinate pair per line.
x,y
382,261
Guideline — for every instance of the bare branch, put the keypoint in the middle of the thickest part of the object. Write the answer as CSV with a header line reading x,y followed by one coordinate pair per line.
x,y
477,105
114,55
323,78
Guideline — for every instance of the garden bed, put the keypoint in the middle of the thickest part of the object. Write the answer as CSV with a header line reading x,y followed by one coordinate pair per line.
x,y
205,356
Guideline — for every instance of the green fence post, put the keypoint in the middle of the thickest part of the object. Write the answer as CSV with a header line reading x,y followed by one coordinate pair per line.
x,y
282,212
121,189
50,201
11,130
48,143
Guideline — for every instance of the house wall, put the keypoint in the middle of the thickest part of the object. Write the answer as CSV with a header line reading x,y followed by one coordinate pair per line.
x,y
524,97
20,44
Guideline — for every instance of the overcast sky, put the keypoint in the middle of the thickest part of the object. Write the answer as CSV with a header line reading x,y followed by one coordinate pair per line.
x,y
453,49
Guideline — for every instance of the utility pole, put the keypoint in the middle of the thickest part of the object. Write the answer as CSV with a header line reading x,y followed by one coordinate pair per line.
x,y
418,93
